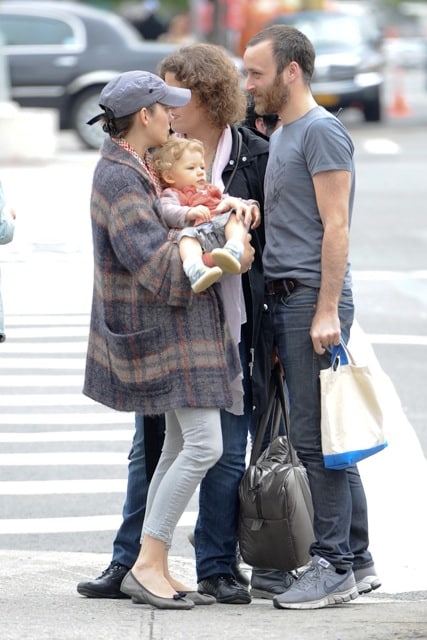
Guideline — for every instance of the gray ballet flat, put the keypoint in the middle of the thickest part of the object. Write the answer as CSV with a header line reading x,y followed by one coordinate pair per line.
x,y
140,595
194,596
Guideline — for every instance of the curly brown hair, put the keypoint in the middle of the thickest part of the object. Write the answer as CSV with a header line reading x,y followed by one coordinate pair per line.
x,y
212,76
165,156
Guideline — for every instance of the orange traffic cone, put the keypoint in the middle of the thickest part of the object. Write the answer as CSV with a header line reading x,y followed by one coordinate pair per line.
x,y
399,107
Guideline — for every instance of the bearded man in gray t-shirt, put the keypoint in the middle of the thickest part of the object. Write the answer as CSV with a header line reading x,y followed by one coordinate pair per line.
x,y
309,192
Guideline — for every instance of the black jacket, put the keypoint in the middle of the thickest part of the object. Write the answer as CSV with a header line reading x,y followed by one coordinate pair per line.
x,y
248,183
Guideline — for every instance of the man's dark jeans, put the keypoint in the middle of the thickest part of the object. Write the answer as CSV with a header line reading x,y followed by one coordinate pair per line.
x,y
340,520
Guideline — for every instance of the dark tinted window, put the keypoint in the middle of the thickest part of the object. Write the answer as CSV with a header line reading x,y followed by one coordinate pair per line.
x,y
35,30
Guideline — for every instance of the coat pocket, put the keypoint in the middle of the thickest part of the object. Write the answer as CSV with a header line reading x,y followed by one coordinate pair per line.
x,y
136,362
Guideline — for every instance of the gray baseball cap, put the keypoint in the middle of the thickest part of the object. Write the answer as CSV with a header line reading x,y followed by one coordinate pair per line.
x,y
131,91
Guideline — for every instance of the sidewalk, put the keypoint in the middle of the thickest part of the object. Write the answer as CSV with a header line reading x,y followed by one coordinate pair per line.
x,y
38,601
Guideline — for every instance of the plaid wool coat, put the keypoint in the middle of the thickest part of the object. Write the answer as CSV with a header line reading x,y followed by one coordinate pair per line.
x,y
153,345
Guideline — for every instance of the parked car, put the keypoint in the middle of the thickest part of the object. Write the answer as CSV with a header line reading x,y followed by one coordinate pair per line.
x,y
349,67
61,54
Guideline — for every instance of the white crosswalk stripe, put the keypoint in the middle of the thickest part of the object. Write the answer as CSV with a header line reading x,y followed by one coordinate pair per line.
x,y
45,417
55,443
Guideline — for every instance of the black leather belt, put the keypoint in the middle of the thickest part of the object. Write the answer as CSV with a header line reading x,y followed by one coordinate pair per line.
x,y
284,285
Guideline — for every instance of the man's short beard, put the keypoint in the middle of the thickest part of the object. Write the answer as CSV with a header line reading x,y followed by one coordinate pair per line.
x,y
274,98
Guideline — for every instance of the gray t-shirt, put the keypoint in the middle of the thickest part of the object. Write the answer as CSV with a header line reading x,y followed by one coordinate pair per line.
x,y
294,231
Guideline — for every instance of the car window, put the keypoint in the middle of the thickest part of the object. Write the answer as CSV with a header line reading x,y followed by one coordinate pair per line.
x,y
18,30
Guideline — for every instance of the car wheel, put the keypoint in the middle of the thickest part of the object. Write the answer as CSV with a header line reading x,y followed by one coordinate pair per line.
x,y
372,110
86,106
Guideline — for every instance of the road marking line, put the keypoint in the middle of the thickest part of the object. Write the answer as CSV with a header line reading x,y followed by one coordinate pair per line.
x,y
59,487
61,458
50,320
383,338
76,524
42,380
41,348
47,400
57,332
108,435
104,416
382,276
32,363
382,146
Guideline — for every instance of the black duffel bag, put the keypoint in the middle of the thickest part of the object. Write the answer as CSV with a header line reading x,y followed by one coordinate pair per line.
x,y
276,511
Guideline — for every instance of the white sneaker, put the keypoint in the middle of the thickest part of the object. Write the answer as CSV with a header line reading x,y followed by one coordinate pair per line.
x,y
227,259
203,277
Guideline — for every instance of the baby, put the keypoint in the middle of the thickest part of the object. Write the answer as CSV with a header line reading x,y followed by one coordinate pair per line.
x,y
189,203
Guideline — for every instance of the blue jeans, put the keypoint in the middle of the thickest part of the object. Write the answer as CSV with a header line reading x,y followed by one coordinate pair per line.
x,y
143,457
340,510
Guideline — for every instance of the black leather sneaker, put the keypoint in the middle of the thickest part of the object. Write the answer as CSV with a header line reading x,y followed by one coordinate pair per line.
x,y
107,585
225,589
238,572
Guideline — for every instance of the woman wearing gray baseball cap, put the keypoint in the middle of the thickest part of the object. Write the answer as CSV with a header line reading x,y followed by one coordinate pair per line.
x,y
133,90
154,347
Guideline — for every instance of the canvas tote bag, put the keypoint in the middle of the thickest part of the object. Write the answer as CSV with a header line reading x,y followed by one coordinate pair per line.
x,y
276,511
351,414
